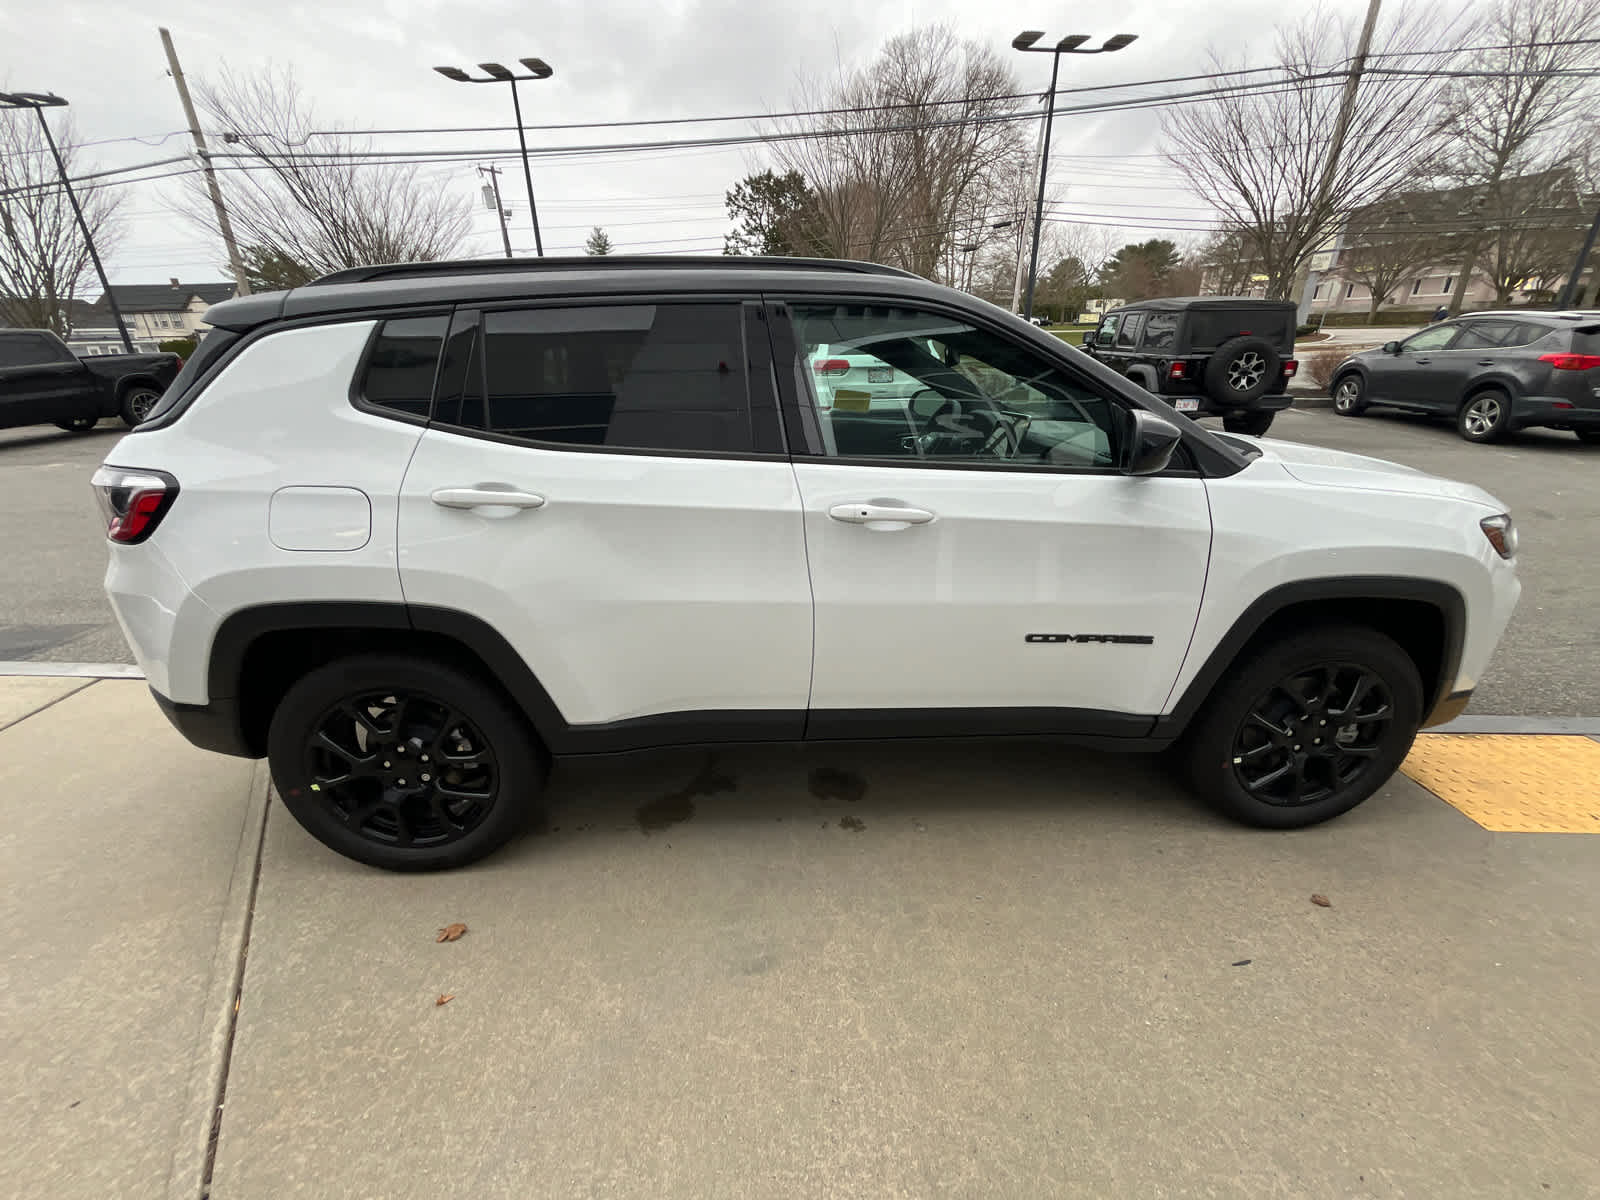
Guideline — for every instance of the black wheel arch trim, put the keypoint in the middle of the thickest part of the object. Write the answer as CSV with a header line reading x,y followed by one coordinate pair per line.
x,y
218,723
1442,597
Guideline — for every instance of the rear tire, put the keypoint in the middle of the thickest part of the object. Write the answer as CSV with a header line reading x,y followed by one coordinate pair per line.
x,y
1484,416
136,403
403,763
1255,424
1349,395
1358,708
78,424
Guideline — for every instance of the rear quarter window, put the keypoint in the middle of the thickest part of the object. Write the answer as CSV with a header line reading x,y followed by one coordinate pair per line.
x,y
401,364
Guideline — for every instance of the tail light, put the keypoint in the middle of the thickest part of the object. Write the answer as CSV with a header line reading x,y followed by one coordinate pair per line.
x,y
831,366
1571,362
1290,366
133,501
1178,370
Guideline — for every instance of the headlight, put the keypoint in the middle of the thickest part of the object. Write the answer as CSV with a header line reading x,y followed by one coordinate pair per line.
x,y
1501,531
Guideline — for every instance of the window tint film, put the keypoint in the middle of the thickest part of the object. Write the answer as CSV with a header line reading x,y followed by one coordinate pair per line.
x,y
1128,335
1210,327
640,376
920,385
401,366
26,350
1160,331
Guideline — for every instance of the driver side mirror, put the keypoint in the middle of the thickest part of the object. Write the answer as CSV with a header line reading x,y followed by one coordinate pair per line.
x,y
1152,442
1391,347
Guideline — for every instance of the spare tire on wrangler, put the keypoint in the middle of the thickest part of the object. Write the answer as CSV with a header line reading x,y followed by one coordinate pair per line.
x,y
1241,370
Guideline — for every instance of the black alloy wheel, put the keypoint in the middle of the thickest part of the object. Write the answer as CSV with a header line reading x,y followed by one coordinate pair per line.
x,y
1311,734
1304,727
405,763
402,768
137,402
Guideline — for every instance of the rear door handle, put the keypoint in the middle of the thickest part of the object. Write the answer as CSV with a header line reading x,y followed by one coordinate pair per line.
x,y
486,495
880,516
1420,361
1486,362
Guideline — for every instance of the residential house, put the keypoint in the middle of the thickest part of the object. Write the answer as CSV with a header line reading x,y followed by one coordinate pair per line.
x,y
152,312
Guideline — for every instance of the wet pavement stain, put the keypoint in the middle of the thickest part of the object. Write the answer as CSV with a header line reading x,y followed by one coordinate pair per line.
x,y
654,816
830,783
853,824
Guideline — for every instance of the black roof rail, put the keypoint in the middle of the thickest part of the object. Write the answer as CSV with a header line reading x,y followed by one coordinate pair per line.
x,y
587,262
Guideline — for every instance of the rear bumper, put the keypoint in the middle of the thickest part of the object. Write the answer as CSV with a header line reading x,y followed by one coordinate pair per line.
x,y
1210,408
1529,411
214,726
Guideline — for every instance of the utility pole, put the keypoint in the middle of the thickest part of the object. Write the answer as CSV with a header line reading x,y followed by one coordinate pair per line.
x,y
1569,294
1341,131
1022,235
224,226
493,172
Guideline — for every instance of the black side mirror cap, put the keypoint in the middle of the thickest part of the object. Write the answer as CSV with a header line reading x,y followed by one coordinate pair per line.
x,y
1151,444
1391,347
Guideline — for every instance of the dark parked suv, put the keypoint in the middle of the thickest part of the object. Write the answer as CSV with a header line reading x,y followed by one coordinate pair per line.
x,y
1207,355
1492,371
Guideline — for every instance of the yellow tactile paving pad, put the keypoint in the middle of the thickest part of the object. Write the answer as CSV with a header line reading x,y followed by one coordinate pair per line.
x,y
1513,783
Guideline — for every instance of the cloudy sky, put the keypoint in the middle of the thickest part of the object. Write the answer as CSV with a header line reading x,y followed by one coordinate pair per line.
x,y
368,64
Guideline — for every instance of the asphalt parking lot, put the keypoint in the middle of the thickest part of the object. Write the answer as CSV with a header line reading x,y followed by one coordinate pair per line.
x,y
1548,664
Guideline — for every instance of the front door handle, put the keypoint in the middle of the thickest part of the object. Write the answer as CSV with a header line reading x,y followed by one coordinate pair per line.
x,y
883,516
1421,361
1486,362
486,495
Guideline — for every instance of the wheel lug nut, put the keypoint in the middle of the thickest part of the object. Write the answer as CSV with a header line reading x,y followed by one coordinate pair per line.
x,y
424,758
427,778
1316,741
386,764
1297,747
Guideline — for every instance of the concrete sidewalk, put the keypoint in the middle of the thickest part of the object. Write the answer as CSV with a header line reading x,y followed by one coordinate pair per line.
x,y
119,844
944,969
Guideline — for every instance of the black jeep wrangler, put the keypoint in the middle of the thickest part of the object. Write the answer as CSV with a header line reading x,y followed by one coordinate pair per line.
x,y
1206,355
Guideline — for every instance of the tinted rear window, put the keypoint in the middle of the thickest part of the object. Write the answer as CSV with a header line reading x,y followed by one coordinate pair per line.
x,y
29,349
1160,330
636,376
1210,327
1586,340
400,368
213,343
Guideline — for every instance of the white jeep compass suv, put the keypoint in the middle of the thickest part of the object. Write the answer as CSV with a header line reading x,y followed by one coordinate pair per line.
x,y
410,531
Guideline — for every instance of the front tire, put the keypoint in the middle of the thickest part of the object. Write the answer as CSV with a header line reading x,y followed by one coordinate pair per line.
x,y
403,763
1306,728
1348,396
1484,416
1255,424
78,424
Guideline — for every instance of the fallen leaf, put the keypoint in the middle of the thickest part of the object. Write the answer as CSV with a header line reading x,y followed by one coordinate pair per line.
x,y
1243,962
451,933
1321,901
444,999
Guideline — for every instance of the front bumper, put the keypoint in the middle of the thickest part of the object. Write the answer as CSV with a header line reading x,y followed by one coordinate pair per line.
x,y
214,726
1529,411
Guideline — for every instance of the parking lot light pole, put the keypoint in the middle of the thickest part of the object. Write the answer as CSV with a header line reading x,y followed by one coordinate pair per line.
x,y
495,73
1071,44
39,101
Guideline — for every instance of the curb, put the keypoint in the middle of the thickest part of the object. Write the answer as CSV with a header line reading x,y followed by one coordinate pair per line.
x,y
55,670
194,1150
1530,726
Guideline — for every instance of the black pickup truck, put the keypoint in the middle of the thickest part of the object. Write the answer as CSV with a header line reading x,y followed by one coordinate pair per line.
x,y
43,382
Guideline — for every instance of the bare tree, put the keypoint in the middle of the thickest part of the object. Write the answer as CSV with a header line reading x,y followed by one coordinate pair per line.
x,y
1228,263
1533,233
321,209
44,260
1521,111
1261,153
1387,243
906,175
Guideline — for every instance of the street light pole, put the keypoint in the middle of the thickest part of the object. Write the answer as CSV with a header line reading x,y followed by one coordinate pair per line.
x,y
495,73
39,101
1071,44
